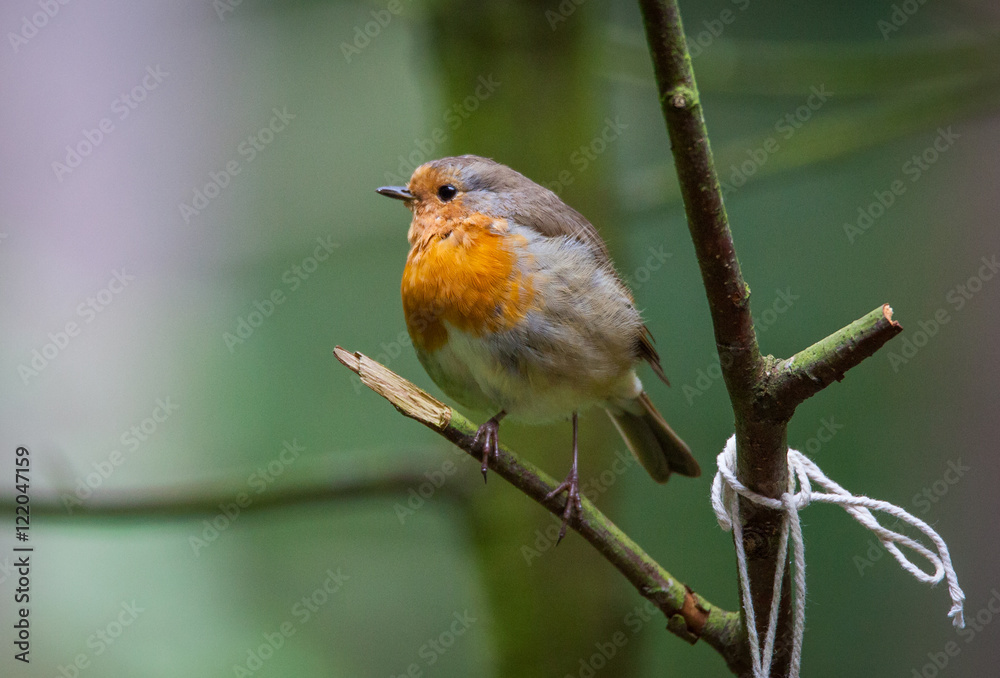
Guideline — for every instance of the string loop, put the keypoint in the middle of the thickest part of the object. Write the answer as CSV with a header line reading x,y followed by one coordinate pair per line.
x,y
803,472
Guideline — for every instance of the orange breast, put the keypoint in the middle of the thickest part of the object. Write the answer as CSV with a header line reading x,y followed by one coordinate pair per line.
x,y
464,274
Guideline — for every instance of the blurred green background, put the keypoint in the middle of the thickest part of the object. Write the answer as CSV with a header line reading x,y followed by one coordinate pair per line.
x,y
210,368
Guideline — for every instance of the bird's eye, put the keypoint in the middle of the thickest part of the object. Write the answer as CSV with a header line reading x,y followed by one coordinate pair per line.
x,y
447,192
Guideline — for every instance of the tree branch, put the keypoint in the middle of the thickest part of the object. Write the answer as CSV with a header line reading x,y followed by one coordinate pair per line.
x,y
811,370
689,616
763,391
728,294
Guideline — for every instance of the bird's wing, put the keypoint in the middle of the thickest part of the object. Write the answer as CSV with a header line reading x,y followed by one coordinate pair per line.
x,y
551,217
648,353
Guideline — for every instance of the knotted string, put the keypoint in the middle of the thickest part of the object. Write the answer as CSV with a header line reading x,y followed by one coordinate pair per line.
x,y
726,490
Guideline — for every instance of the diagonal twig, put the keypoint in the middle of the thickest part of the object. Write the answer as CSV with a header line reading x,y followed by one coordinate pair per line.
x,y
809,371
689,615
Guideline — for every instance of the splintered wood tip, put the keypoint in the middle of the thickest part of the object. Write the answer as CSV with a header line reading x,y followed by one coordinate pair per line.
x,y
887,314
405,396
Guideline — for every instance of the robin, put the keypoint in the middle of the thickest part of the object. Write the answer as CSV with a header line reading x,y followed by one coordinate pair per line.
x,y
514,306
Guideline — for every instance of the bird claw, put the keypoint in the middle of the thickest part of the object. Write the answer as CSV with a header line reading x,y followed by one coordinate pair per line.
x,y
573,502
489,434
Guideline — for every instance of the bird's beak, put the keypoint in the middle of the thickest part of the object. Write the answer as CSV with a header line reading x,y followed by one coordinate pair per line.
x,y
397,192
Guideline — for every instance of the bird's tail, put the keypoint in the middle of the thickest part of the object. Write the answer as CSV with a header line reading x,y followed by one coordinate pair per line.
x,y
656,446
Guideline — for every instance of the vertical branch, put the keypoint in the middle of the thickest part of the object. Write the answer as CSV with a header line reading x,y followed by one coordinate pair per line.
x,y
728,294
764,392
760,439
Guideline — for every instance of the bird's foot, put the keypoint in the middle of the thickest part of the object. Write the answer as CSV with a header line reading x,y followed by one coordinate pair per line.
x,y
488,438
574,505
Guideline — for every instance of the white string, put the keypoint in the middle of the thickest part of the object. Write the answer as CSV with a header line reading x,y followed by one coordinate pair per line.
x,y
725,501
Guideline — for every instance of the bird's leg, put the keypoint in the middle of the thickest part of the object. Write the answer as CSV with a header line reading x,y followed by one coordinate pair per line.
x,y
489,434
572,487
